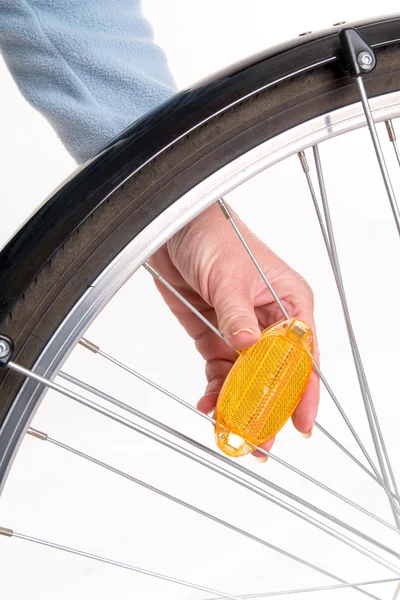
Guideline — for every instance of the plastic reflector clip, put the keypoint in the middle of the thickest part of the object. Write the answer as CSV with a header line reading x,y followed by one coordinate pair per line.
x,y
264,387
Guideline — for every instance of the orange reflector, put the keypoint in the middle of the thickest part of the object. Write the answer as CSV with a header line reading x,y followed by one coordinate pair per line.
x,y
263,387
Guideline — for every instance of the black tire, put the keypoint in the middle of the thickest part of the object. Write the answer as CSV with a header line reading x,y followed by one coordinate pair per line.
x,y
48,295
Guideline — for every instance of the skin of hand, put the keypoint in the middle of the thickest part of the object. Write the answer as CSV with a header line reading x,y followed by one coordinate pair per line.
x,y
208,265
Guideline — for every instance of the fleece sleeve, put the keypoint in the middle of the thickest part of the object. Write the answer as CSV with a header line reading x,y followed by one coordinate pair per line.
x,y
90,67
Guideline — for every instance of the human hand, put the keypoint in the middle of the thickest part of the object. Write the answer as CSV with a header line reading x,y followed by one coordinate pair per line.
x,y
207,264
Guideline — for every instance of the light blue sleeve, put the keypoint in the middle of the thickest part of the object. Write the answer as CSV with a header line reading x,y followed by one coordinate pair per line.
x,y
90,67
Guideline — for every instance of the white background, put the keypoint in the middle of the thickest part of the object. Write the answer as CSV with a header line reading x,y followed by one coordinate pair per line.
x,y
55,496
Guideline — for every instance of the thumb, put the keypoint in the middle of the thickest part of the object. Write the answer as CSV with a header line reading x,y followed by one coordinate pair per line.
x,y
234,306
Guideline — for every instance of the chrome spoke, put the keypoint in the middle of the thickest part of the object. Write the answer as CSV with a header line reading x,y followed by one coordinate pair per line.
x,y
392,137
250,486
228,215
44,437
13,534
153,271
378,151
376,432
97,350
344,449
87,387
306,169
396,592
223,458
321,588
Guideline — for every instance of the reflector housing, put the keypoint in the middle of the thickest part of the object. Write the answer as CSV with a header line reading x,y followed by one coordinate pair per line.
x,y
264,387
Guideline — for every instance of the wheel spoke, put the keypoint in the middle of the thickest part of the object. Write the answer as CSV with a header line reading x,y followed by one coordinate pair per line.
x,y
257,265
344,449
392,137
396,592
9,533
95,349
322,588
306,169
376,432
378,151
44,437
337,274
222,458
117,563
233,477
153,271
89,388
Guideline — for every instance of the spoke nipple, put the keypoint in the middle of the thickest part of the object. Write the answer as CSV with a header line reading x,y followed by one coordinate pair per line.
x,y
224,209
89,345
37,434
303,160
151,269
390,130
6,532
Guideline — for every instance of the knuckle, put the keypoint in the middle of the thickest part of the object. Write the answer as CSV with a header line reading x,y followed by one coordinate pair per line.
x,y
305,290
234,320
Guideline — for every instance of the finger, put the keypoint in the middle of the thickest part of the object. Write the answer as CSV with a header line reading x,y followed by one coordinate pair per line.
x,y
192,324
216,369
207,403
260,456
233,300
212,347
305,414
216,372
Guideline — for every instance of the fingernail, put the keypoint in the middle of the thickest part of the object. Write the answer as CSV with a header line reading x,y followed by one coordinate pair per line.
x,y
262,459
210,413
307,435
243,329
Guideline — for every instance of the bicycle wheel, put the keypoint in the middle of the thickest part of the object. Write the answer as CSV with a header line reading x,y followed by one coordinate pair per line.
x,y
71,258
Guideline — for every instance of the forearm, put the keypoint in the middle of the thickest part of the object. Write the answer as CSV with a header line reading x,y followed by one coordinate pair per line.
x,y
90,67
